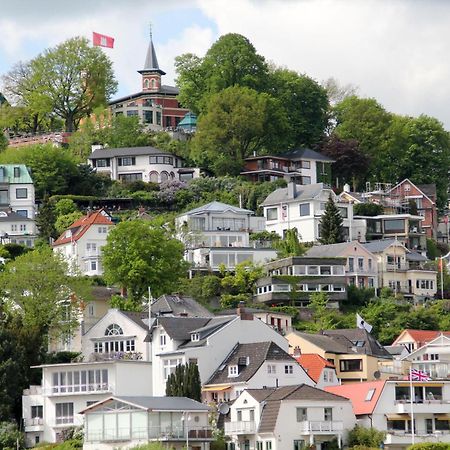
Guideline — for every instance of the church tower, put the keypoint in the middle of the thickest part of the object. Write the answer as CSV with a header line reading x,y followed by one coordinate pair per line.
x,y
151,73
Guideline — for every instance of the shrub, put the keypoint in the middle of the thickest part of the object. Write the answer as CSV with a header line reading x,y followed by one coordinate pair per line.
x,y
430,446
365,437
10,435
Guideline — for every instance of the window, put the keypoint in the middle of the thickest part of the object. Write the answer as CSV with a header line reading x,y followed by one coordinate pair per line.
x,y
369,395
313,270
259,445
369,263
360,263
22,212
102,230
306,180
302,414
305,164
23,227
268,445
271,368
186,176
130,177
127,161
327,414
441,425
351,365
252,415
161,160
113,330
162,340
132,113
351,264
164,176
325,270
304,209
169,366
272,213
91,247
64,413
195,337
327,376
104,162
394,225
343,212
93,265
21,193
233,371
16,172
148,116
158,118
299,444
37,411
289,369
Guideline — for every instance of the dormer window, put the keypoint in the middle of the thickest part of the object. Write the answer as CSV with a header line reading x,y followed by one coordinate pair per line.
x,y
195,337
233,371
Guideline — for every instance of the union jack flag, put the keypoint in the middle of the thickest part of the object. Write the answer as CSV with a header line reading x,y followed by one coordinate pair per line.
x,y
418,375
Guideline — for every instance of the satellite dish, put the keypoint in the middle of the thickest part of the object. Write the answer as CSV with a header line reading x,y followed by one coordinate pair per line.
x,y
377,374
224,408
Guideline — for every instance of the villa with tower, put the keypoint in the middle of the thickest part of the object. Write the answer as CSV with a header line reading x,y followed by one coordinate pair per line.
x,y
156,104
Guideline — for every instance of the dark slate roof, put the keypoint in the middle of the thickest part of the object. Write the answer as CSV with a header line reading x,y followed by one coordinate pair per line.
x,y
137,318
177,305
331,250
103,292
379,245
164,89
211,327
126,151
305,153
255,354
428,189
326,343
303,192
415,256
155,403
368,344
273,401
151,61
11,216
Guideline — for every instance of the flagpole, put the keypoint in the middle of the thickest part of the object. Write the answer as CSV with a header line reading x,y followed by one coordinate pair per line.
x,y
411,392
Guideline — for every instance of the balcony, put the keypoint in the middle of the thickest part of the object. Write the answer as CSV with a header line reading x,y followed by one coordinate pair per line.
x,y
404,437
97,388
157,433
321,427
33,424
33,390
240,427
423,407
433,369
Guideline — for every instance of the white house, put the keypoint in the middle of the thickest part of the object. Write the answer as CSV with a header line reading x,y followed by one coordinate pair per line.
x,y
204,341
140,164
67,389
17,229
254,366
301,207
17,190
386,406
217,233
291,417
128,422
81,243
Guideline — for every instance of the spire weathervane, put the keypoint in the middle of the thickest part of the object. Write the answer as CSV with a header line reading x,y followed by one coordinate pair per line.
x,y
150,30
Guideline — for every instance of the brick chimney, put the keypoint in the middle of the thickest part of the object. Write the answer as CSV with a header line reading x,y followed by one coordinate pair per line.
x,y
242,313
297,351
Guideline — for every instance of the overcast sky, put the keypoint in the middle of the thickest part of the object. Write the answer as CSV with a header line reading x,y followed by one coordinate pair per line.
x,y
396,51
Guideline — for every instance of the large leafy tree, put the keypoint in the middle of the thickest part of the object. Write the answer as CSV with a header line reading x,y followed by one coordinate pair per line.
x,y
70,79
231,61
141,253
239,121
305,103
331,230
290,245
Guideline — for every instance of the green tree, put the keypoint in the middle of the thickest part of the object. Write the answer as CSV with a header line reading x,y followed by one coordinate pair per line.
x,y
290,245
65,206
185,382
45,221
3,141
49,299
239,122
73,78
10,436
331,230
141,253
367,209
368,437
64,221
322,319
231,61
305,103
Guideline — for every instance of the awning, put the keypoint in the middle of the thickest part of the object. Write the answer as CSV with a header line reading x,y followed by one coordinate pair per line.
x,y
215,388
442,416
398,417
416,384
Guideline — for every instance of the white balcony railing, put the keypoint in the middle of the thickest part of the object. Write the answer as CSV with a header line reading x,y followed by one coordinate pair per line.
x,y
32,422
33,390
78,389
316,426
240,427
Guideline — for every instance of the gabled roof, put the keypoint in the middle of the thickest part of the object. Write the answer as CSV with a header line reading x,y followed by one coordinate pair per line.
x,y
153,403
314,364
326,343
138,318
429,190
176,305
254,355
303,192
380,245
217,207
361,341
439,341
296,154
80,226
363,400
126,151
333,250
421,336
278,395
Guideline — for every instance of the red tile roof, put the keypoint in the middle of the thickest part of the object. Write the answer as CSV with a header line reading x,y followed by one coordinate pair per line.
x,y
357,393
422,337
313,364
80,226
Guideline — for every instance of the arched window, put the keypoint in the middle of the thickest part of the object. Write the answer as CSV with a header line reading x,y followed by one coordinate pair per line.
x,y
154,177
153,83
172,176
113,330
146,84
164,176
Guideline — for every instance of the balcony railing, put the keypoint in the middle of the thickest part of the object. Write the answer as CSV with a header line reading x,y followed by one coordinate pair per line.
x,y
240,427
78,389
325,426
169,433
33,390
32,422
433,369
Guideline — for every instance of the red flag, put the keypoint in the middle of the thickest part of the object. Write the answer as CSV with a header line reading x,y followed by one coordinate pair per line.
x,y
100,40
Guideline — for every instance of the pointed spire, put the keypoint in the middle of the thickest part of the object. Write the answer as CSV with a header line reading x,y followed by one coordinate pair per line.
x,y
151,61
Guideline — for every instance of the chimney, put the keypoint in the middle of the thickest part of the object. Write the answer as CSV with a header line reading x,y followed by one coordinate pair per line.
x,y
242,313
291,190
346,187
297,351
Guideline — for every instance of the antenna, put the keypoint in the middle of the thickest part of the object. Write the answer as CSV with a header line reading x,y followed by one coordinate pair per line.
x,y
224,408
150,30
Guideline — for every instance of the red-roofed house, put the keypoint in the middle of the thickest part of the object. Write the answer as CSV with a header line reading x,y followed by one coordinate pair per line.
x,y
414,339
319,369
80,244
386,406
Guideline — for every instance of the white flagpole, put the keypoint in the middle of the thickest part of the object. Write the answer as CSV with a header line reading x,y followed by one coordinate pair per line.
x,y
411,395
